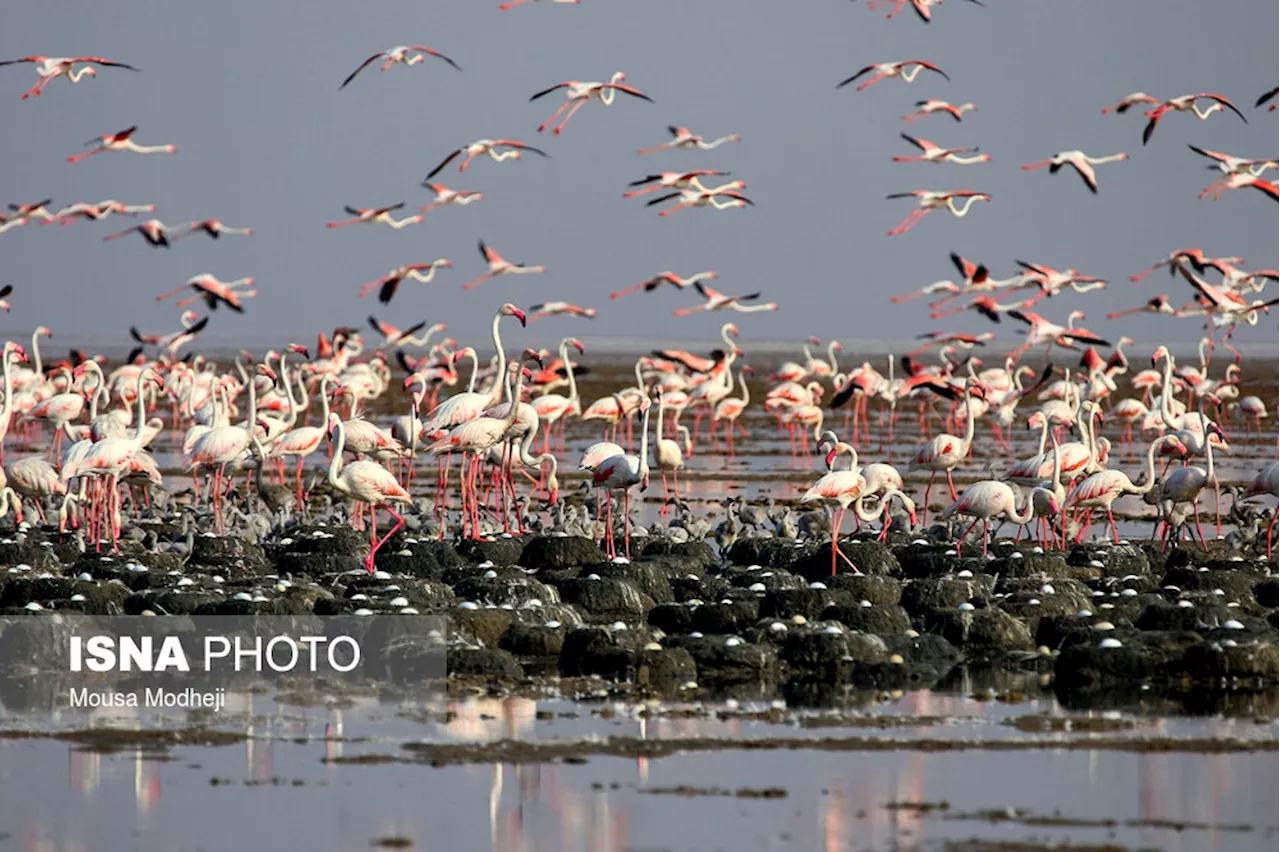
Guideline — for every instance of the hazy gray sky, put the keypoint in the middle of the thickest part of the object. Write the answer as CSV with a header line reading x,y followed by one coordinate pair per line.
x,y
247,90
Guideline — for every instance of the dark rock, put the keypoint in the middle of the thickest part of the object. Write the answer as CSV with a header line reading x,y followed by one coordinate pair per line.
x,y
665,668
924,649
509,587
771,552
807,602
607,599
652,578
932,593
1236,584
231,555
558,552
729,616
824,649
492,663
687,554
881,591
500,551
880,620
602,651
1141,657
871,558
1113,560
1249,660
772,579
930,560
724,659
1267,593
672,618
981,633
484,626
1164,616
532,640
1030,564
51,592
426,560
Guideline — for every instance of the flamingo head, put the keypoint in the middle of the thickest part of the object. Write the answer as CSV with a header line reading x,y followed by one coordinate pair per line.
x,y
831,455
43,331
531,355
510,310
815,341
748,369
264,370
299,349
1161,352
438,327
729,329
644,480
1036,420
837,346
576,344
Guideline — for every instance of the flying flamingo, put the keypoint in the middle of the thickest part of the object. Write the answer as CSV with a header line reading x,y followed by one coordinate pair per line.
x,y
717,301
1194,256
1230,167
932,105
554,309
578,93
153,231
214,228
374,216
482,147
1100,490
705,198
172,342
511,4
622,472
651,284
402,54
838,488
1241,180
120,141
1043,331
392,336
96,212
1081,162
989,498
920,7
1187,103
906,70
673,180
27,211
213,292
1129,101
366,482
1158,305
387,284
50,68
498,265
683,137
446,196
930,200
934,154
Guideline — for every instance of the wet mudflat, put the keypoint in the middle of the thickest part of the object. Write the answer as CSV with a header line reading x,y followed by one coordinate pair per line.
x,y
320,777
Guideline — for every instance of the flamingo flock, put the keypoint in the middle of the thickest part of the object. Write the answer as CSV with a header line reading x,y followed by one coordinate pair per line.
x,y
480,430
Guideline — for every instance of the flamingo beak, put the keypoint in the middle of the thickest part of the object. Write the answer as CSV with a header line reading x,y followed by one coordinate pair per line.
x,y
577,344
520,315
831,457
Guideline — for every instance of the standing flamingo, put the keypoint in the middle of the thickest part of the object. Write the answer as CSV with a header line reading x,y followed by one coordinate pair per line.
x,y
366,482
1100,490
622,472
987,499
944,453
838,488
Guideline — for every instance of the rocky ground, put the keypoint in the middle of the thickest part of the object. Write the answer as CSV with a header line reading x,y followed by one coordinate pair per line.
x,y
1102,620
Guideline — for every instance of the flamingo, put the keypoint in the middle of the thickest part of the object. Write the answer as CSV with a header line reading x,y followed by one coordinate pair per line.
x,y
1185,484
1081,162
374,216
5,291
933,105
213,292
730,409
578,93
35,478
498,265
935,154
552,407
482,147
920,7
556,309
1187,103
446,196
673,180
930,200
389,283
987,499
651,284
120,141
153,231
192,324
1254,411
945,452
214,228
1050,334
1100,490
623,471
1158,305
717,301
50,68
1266,483
404,54
1267,96
669,456
366,482
906,70
1129,101
705,198
838,488
683,137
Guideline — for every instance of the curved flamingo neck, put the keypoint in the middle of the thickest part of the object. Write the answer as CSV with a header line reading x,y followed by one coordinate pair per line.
x,y
335,463
500,374
573,383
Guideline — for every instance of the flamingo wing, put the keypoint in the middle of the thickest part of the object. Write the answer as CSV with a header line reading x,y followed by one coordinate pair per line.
x,y
363,65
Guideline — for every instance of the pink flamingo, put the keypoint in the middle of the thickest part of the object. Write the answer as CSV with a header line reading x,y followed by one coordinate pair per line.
x,y
651,284
930,200
987,499
482,147
1100,490
366,482
120,141
50,68
622,472
578,94
499,265
945,453
907,70
408,55
838,488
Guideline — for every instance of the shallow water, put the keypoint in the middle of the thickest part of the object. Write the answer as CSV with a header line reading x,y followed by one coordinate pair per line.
x,y
61,796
